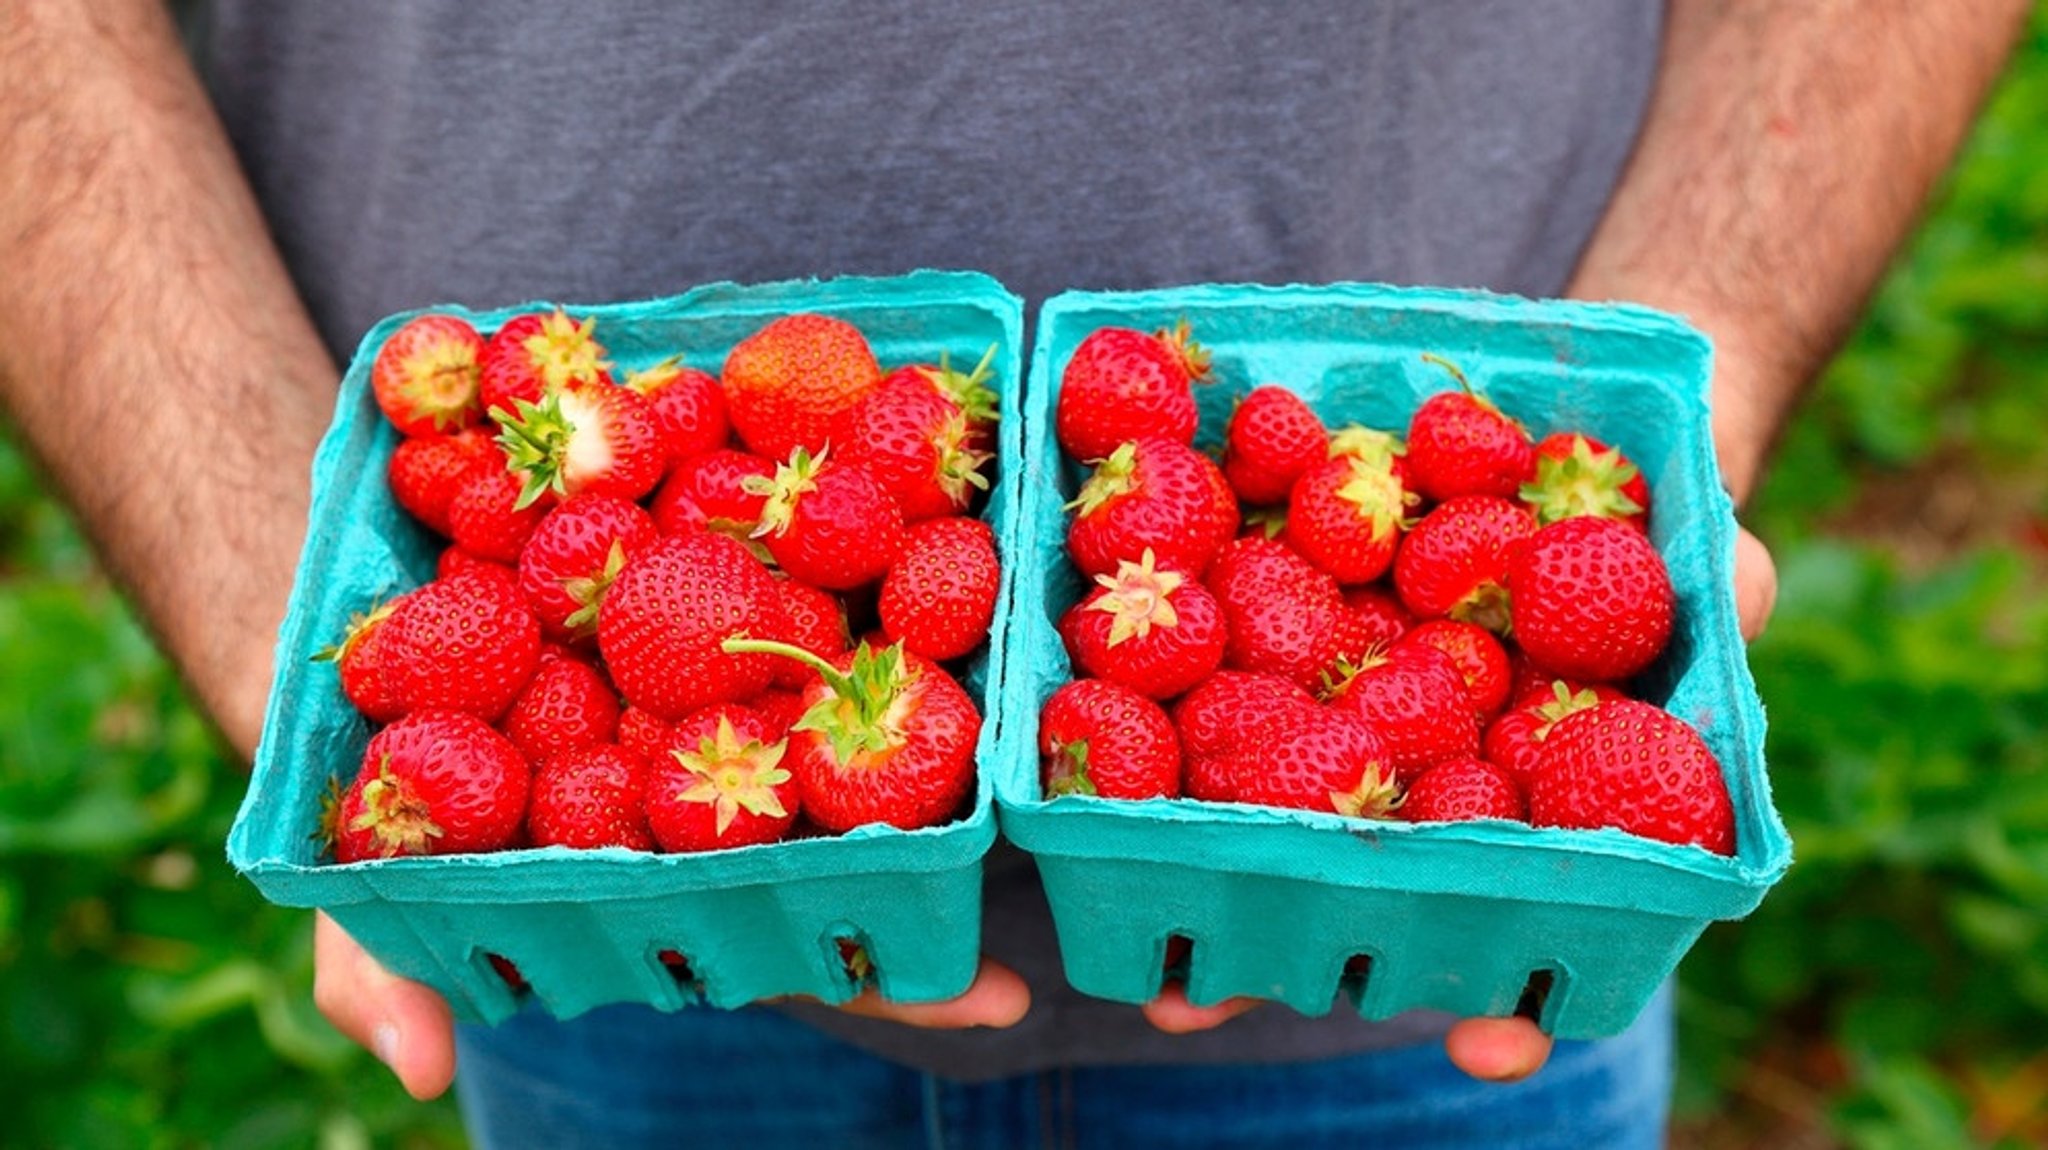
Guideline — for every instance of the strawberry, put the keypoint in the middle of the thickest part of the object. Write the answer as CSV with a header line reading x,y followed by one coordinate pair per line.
x,y
572,557
1578,475
1481,660
1636,767
968,391
1282,614
1457,790
723,781
466,643
688,406
888,738
359,660
435,782
1460,443
536,354
487,520
785,383
920,444
666,614
1514,740
1320,759
1156,632
830,524
593,437
816,622
426,471
453,561
1414,699
1230,708
1155,493
591,797
1346,515
781,706
1591,599
1272,439
566,706
1454,563
642,732
1381,615
1122,383
1098,738
711,491
939,598
426,376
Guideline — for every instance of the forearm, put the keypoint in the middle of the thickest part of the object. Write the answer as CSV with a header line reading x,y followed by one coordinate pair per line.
x,y
153,352
1789,149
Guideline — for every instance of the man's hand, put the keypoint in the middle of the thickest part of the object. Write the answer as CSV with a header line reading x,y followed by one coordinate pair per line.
x,y
411,1030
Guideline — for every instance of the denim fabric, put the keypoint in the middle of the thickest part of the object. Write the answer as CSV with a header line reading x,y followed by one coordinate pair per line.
x,y
623,1077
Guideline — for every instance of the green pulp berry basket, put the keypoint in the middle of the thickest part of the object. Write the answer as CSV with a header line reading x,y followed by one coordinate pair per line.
x,y
1577,927
587,928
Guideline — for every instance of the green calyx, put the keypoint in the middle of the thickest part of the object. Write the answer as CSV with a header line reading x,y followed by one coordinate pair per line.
x,y
1114,477
1181,338
969,390
862,710
535,438
399,820
791,480
1067,774
588,591
1585,482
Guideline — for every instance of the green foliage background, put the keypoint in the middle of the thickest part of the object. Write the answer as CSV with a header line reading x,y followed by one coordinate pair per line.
x,y
1889,993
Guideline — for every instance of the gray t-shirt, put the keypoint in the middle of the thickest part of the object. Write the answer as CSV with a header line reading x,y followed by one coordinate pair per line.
x,y
411,153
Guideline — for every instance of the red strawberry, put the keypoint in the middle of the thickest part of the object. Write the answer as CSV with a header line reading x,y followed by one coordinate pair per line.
x,y
572,557
467,644
1320,760
666,614
1380,612
359,660
968,391
642,732
487,520
427,471
688,406
1454,563
1230,708
1579,475
1156,632
1514,740
939,597
1346,515
781,706
426,376
1282,614
1458,790
1459,443
1121,384
1415,701
533,355
817,623
1154,493
590,797
566,706
1098,738
1272,439
827,523
785,383
711,491
1591,599
724,781
433,783
920,445
1636,767
453,561
889,738
1481,660
593,438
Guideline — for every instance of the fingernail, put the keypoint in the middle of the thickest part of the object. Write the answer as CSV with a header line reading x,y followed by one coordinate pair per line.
x,y
384,1044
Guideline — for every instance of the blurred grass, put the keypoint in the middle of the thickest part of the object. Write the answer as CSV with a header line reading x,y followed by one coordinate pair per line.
x,y
1890,993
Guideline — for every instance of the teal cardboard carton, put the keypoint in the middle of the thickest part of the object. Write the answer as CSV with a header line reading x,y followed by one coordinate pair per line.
x,y
586,928
1577,928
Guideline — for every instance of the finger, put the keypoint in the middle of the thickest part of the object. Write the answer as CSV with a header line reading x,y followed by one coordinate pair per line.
x,y
1497,1049
1756,584
997,997
406,1025
1174,1014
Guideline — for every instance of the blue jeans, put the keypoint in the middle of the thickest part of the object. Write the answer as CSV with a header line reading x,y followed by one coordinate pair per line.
x,y
625,1077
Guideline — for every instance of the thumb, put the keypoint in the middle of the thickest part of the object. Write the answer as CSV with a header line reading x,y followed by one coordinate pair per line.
x,y
406,1025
